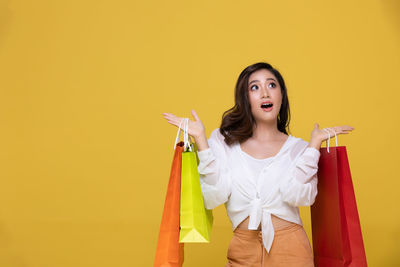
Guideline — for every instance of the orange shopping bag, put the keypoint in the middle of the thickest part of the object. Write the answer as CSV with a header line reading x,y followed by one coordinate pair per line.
x,y
169,252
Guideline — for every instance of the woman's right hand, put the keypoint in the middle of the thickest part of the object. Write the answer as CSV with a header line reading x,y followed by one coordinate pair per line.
x,y
195,128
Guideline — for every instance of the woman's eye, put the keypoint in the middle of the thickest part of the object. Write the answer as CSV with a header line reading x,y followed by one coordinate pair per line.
x,y
273,85
253,87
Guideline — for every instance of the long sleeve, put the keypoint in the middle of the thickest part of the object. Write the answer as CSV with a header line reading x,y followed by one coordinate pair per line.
x,y
215,176
301,187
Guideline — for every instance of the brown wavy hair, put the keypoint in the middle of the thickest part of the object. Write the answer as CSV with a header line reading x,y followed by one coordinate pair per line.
x,y
237,122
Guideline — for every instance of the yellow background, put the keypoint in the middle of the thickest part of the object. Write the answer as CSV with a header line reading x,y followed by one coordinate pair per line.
x,y
85,153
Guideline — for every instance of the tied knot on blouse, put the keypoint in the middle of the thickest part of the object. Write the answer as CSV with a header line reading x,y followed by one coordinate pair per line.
x,y
259,214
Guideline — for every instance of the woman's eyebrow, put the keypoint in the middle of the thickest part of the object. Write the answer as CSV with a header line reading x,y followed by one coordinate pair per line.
x,y
258,80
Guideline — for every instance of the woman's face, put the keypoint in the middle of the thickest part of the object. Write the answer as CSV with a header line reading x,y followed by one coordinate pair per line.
x,y
263,87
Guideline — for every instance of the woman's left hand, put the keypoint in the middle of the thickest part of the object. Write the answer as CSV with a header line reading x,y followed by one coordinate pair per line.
x,y
320,135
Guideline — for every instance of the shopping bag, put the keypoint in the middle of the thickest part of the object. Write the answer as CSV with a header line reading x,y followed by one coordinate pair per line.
x,y
195,220
169,252
336,230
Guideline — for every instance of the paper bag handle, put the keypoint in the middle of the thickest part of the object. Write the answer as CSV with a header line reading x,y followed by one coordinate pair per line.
x,y
186,136
178,134
327,146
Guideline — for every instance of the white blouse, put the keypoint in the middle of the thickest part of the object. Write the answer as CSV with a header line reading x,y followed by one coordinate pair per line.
x,y
275,185
255,165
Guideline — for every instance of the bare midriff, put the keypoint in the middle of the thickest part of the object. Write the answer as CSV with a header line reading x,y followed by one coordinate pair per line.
x,y
277,222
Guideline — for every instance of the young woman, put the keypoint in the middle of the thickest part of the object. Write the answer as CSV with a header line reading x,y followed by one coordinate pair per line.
x,y
260,172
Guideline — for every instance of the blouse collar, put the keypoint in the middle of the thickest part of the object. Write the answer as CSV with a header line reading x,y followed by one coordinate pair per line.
x,y
282,149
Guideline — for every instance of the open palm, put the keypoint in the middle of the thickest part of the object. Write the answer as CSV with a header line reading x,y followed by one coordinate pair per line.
x,y
195,128
322,135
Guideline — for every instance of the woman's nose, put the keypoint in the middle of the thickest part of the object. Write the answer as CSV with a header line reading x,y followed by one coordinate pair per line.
x,y
265,92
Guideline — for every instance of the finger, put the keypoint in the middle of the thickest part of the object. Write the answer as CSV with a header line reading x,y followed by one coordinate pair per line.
x,y
337,129
174,118
345,130
316,125
195,115
340,130
171,122
346,127
169,115
174,123
331,132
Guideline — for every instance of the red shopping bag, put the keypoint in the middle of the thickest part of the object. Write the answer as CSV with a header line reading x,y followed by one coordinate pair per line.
x,y
169,252
336,230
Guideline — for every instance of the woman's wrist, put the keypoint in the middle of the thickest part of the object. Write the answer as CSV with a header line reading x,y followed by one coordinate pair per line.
x,y
315,143
201,142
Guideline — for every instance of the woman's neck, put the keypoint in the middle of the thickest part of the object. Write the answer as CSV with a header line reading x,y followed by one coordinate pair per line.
x,y
266,132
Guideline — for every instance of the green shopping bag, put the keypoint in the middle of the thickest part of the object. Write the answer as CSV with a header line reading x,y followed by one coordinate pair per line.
x,y
195,220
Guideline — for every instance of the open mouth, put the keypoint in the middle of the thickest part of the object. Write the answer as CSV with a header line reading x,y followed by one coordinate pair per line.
x,y
267,105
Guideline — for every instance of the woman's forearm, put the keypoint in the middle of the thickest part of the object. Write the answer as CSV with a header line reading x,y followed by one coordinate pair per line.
x,y
201,142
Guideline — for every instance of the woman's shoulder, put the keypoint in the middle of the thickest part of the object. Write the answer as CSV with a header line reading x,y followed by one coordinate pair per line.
x,y
298,145
299,140
218,145
217,136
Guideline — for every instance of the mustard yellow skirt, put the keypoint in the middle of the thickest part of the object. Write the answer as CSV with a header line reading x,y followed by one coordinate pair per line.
x,y
290,247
